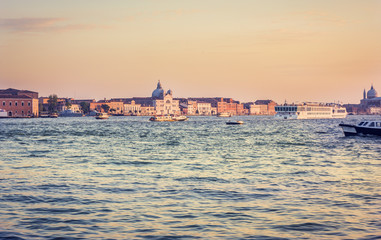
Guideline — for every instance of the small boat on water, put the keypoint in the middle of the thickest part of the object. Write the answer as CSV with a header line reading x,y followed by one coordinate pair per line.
x,y
48,115
224,114
234,123
70,113
363,128
168,118
102,116
3,113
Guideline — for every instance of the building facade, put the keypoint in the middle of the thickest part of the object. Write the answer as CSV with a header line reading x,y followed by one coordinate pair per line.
x,y
164,103
19,103
132,109
114,107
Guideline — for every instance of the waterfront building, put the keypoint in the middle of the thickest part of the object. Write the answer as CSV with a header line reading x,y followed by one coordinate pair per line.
x,y
19,103
191,108
166,105
79,101
76,108
115,107
132,108
270,104
147,111
230,106
258,109
204,108
370,102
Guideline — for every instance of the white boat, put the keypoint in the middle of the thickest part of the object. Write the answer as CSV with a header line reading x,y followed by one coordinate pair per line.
x,y
310,111
70,113
3,113
102,116
224,114
168,118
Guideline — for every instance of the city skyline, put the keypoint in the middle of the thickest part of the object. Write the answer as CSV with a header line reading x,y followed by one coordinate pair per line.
x,y
246,50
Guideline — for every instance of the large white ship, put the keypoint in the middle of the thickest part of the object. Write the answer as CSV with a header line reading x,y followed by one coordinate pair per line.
x,y
310,111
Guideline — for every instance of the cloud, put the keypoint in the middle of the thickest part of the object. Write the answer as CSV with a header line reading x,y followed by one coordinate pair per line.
x,y
40,25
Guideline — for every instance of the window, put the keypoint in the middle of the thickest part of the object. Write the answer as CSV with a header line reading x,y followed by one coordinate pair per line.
x,y
22,113
361,123
10,103
3,103
16,105
29,104
22,103
371,124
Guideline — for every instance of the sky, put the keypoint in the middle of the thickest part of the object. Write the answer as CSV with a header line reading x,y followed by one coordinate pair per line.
x,y
285,50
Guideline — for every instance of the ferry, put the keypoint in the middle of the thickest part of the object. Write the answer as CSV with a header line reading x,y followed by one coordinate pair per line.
x,y
102,116
168,118
310,111
363,128
224,114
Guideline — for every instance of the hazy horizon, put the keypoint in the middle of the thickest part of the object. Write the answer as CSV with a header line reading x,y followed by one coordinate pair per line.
x,y
324,51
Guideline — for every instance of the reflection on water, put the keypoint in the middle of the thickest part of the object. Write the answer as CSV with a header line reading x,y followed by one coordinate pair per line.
x,y
128,178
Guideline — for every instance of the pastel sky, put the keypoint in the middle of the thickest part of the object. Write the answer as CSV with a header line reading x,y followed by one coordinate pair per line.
x,y
294,50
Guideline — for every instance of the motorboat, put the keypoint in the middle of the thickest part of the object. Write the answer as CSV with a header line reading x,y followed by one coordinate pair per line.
x,y
363,128
180,118
168,118
224,114
102,116
234,122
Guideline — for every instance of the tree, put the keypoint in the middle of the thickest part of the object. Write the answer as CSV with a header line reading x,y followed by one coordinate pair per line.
x,y
105,108
85,106
52,103
68,104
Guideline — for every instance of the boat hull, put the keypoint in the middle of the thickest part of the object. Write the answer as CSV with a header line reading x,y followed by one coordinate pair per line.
x,y
353,130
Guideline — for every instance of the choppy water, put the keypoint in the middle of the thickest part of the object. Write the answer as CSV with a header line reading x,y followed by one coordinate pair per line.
x,y
128,178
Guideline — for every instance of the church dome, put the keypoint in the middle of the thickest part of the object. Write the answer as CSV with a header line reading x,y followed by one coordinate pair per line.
x,y
158,92
372,93
169,92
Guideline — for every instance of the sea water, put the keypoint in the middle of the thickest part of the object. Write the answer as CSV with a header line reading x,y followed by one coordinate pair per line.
x,y
128,178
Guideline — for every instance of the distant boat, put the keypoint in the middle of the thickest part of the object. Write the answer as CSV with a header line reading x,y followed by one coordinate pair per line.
x,y
310,111
70,113
3,113
224,114
102,116
53,115
168,118
234,123
363,128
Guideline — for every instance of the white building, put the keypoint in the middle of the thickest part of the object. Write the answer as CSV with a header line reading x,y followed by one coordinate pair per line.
x,y
165,104
204,108
132,108
258,109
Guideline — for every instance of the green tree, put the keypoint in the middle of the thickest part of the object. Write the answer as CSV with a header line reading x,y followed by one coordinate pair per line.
x,y
85,106
52,103
105,108
68,104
